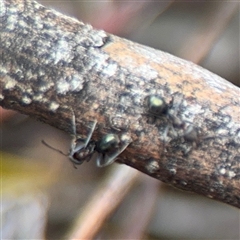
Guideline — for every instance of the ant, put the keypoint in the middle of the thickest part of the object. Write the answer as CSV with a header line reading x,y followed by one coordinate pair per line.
x,y
159,108
104,151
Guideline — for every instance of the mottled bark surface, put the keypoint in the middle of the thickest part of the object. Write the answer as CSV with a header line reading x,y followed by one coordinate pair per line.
x,y
51,63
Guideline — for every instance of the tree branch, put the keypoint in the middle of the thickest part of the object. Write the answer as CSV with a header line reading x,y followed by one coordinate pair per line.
x,y
51,63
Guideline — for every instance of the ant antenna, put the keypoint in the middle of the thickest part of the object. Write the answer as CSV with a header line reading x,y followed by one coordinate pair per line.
x,y
55,149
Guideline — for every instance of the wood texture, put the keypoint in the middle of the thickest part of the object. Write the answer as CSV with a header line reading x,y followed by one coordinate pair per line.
x,y
51,63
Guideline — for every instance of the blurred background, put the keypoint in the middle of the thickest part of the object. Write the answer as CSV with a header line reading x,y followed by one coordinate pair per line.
x,y
44,197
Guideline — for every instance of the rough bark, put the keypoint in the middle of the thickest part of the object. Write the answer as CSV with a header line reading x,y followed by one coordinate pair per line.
x,y
51,63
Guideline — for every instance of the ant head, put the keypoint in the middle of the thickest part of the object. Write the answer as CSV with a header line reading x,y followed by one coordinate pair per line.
x,y
82,153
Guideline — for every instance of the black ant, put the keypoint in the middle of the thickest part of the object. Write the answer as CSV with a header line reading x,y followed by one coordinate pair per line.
x,y
104,151
160,109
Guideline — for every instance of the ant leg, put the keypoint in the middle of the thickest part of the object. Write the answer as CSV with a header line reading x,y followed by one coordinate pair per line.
x,y
90,134
80,143
74,136
165,134
73,124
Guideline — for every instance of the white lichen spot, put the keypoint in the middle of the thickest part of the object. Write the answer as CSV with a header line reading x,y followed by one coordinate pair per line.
x,y
41,73
39,25
11,83
152,166
29,91
230,125
226,119
61,51
75,84
138,100
191,112
138,127
38,97
29,74
95,106
100,62
22,24
237,137
80,49
63,87
147,72
110,70
53,106
45,87
4,71
98,38
173,170
3,9
26,100
16,10
183,183
212,190
222,131
137,91
119,122
222,171
44,100
141,83
12,20
125,100
231,174
126,138
1,97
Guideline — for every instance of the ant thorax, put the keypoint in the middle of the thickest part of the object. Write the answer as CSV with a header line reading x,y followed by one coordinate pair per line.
x,y
107,143
157,105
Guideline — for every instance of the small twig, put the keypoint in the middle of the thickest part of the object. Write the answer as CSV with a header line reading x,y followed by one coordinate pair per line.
x,y
137,219
104,201
51,62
